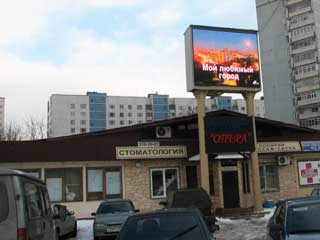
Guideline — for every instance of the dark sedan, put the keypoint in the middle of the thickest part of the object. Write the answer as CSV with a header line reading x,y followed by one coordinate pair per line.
x,y
296,219
171,224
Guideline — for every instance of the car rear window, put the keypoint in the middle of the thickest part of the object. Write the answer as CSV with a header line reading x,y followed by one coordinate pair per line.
x,y
4,202
163,226
191,198
115,207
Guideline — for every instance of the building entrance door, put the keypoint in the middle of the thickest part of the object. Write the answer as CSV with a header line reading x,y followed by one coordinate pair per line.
x,y
192,176
230,189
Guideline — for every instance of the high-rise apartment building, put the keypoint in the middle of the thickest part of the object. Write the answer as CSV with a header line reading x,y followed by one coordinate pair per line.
x,y
73,114
2,101
289,46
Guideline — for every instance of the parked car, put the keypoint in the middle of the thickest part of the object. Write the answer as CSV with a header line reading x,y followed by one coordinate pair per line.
x,y
194,198
110,216
65,221
25,208
295,219
166,224
315,192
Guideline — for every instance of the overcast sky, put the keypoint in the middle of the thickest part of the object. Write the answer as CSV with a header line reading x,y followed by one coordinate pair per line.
x,y
121,47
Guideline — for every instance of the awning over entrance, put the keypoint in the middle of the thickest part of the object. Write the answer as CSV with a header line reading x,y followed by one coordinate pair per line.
x,y
219,156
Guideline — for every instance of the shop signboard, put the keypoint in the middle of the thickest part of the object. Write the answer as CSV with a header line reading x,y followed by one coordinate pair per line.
x,y
310,146
222,59
229,134
278,147
151,152
309,172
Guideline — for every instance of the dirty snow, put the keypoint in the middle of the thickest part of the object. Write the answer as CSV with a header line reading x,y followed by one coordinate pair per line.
x,y
249,228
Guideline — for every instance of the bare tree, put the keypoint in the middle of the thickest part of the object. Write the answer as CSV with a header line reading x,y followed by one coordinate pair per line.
x,y
35,128
11,132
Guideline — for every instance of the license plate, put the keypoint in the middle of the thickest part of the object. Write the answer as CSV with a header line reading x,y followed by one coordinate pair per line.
x,y
115,228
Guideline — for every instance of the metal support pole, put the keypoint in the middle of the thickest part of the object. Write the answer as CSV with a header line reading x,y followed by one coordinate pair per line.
x,y
249,96
204,168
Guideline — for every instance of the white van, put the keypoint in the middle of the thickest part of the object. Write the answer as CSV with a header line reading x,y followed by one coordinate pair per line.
x,y
25,208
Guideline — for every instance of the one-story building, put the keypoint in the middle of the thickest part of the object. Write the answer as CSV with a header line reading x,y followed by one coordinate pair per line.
x,y
143,162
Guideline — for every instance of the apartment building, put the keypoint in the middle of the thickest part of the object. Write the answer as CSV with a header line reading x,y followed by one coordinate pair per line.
x,y
74,114
289,45
2,101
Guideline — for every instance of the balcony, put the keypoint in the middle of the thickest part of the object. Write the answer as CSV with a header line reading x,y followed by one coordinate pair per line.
x,y
310,20
303,49
306,75
309,115
301,37
291,2
307,88
299,11
308,102
304,62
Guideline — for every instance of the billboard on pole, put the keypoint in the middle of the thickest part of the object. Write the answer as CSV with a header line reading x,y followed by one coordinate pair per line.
x,y
222,59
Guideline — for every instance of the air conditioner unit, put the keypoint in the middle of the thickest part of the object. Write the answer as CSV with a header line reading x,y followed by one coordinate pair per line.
x,y
283,160
163,132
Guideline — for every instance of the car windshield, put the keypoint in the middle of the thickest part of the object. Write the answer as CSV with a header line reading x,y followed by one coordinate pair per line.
x,y
304,218
115,207
162,227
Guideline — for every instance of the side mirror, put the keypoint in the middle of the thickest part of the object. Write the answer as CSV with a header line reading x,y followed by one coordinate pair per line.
x,y
71,213
136,210
164,203
93,214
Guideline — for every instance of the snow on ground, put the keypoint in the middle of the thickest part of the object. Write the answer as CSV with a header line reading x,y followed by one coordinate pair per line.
x,y
249,228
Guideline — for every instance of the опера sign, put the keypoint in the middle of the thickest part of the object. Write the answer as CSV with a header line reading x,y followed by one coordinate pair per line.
x,y
151,152
229,134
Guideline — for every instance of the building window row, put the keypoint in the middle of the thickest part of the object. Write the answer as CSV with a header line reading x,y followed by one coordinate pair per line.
x,y
300,18
302,57
82,106
66,184
303,43
310,122
82,130
307,96
305,69
302,31
82,122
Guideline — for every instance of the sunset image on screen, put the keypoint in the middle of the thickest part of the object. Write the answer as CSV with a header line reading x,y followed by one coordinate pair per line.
x,y
225,58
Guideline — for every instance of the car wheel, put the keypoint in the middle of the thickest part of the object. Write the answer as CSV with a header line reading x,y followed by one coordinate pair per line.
x,y
75,230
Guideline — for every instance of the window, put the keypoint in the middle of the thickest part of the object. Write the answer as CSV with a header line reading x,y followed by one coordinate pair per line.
x,y
111,114
162,181
72,122
139,107
104,183
72,130
121,114
315,109
121,122
72,106
111,106
83,130
111,122
269,178
129,122
4,206
72,114
121,106
140,114
140,121
83,106
129,114
65,184
33,200
83,114
83,122
129,107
